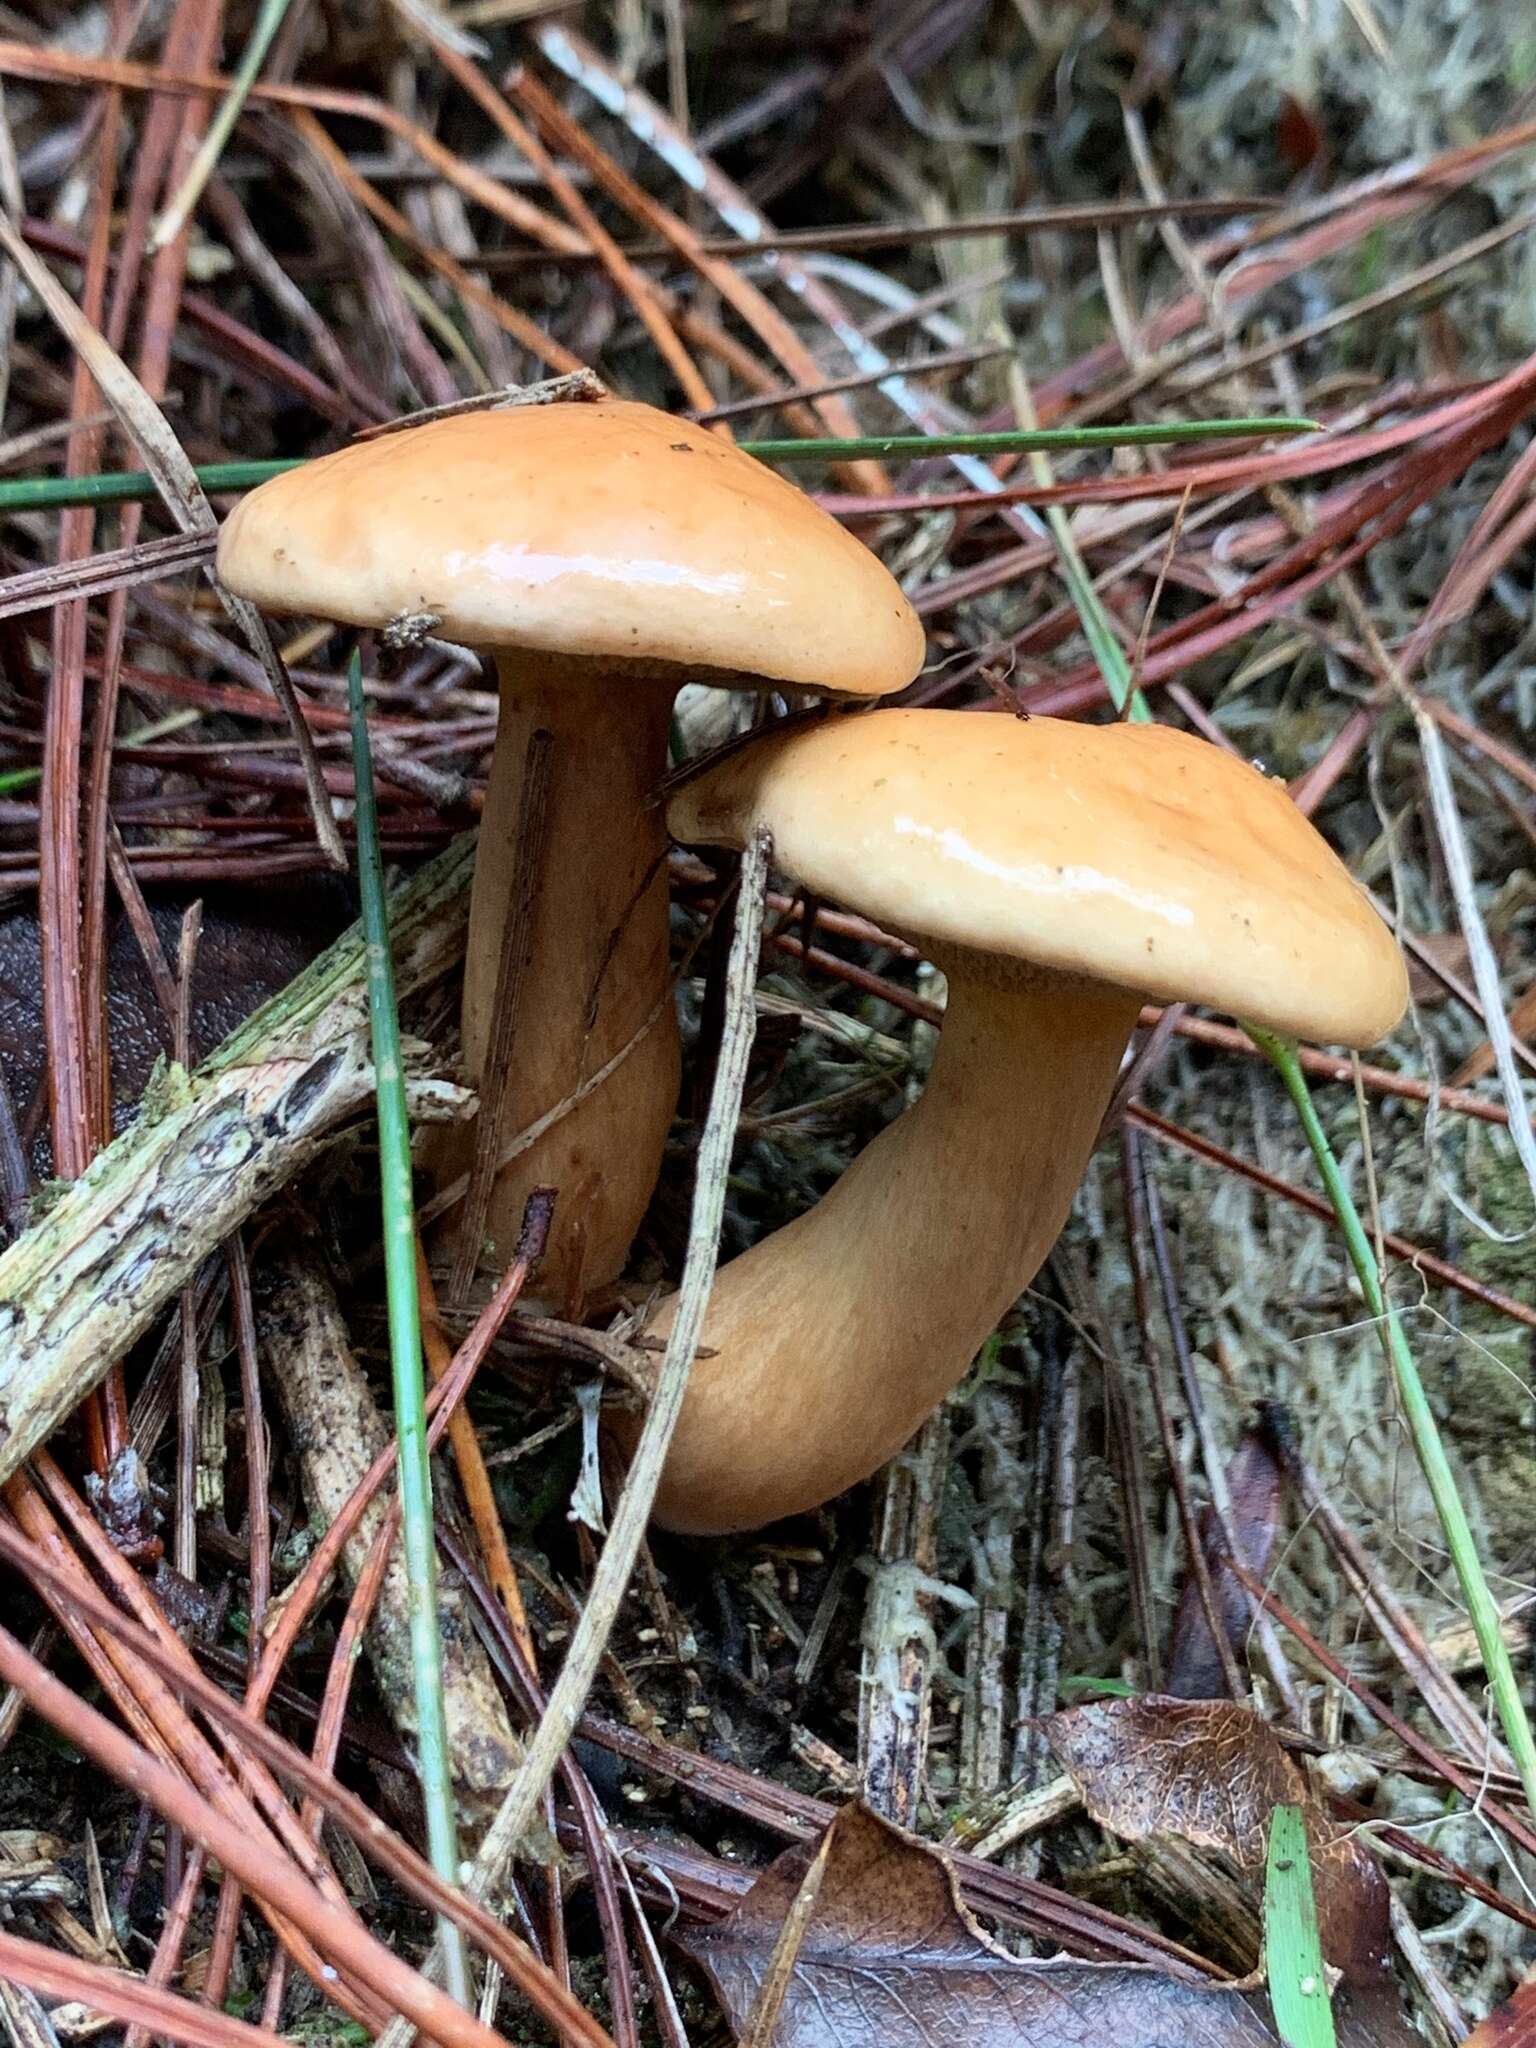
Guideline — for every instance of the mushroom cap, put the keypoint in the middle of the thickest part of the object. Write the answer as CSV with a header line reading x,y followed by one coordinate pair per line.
x,y
1131,854
607,530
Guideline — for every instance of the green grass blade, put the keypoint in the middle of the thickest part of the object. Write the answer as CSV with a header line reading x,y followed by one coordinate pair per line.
x,y
123,486
1293,1953
1097,630
119,487
1482,1608
1024,440
1086,602
420,1543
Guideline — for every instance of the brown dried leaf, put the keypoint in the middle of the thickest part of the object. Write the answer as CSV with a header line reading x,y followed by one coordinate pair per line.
x,y
1255,1486
1212,1773
1437,949
889,1958
1511,2025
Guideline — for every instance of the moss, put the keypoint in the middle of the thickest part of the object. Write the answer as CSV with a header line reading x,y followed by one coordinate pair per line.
x,y
168,1089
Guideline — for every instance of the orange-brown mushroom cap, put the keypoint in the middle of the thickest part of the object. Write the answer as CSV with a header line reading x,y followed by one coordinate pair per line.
x,y
608,531
1131,854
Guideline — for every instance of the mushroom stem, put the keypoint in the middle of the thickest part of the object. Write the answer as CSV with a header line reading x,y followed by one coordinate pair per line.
x,y
595,967
836,1336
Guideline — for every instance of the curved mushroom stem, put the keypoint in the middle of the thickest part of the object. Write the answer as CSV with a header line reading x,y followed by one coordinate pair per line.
x,y
836,1336
595,966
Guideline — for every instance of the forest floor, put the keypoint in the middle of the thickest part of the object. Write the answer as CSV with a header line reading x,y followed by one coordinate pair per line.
x,y
390,229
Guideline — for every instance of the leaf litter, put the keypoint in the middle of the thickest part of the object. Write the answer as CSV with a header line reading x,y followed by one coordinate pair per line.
x,y
887,1952
890,1955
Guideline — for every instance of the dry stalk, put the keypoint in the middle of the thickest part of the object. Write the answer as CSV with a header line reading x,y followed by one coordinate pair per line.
x,y
984,1706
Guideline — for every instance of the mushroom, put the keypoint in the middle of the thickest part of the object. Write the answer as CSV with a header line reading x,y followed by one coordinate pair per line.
x,y
1059,874
604,554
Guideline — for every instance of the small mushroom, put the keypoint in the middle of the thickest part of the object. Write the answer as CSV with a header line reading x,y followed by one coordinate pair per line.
x,y
1059,874
604,554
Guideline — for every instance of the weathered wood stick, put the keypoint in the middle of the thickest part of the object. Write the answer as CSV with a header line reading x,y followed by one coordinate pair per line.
x,y
85,1282
337,1430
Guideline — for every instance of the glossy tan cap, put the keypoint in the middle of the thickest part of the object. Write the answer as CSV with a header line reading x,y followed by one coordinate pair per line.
x,y
607,530
1132,854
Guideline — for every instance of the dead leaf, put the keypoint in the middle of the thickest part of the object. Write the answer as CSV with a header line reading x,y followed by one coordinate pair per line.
x,y
889,1958
1298,133
1255,1487
1445,950
1212,1774
1511,2025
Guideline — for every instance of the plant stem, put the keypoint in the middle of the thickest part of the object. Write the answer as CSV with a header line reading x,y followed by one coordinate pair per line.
x,y
417,1534
1428,1443
118,487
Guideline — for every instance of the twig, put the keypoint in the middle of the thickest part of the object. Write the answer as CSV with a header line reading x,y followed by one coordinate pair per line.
x,y
640,291
1082,1928
1043,1597
1433,1685
1134,1183
118,487
904,235
763,2023
1471,1787
337,1430
899,1643
1485,968
123,1997
75,1594
189,1388
258,1531
986,1649
1210,1454
630,1516
264,1872
603,1860
36,589
474,1478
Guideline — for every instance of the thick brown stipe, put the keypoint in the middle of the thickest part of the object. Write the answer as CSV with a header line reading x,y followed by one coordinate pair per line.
x,y
1060,874
604,553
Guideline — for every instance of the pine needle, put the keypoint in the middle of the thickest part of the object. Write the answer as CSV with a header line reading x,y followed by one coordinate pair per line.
x,y
178,212
118,487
